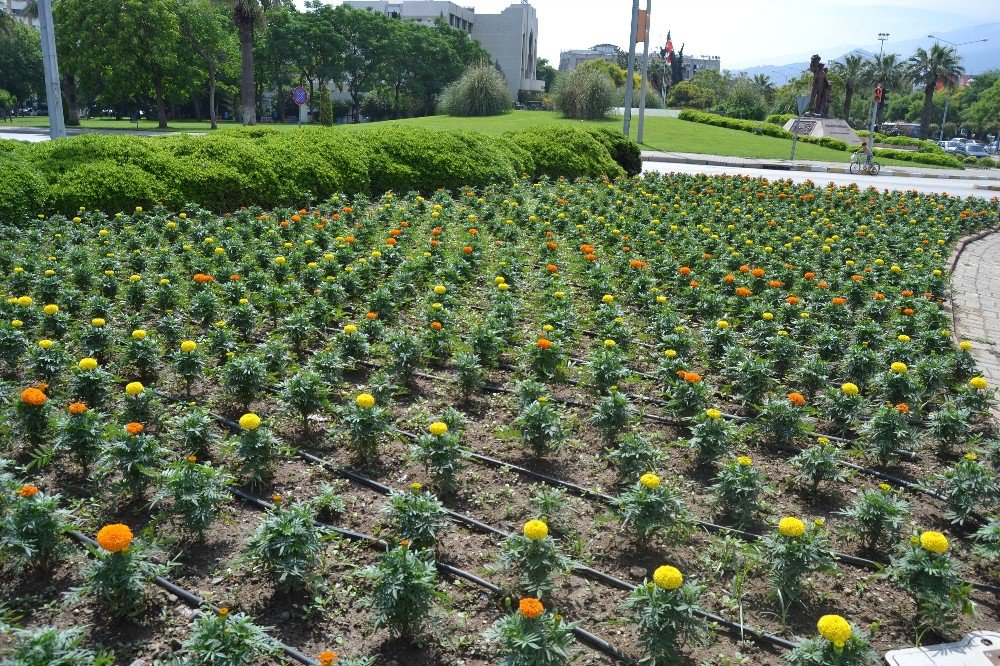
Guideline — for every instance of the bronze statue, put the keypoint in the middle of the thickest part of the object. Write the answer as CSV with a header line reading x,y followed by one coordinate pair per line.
x,y
819,87
826,97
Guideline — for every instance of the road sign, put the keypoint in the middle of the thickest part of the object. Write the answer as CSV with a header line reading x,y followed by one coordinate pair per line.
x,y
802,101
299,95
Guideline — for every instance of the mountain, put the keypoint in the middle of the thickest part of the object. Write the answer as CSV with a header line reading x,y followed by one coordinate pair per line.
x,y
976,57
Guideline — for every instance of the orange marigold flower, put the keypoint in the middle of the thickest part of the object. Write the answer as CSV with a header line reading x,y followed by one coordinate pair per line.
x,y
796,398
530,607
33,397
436,325
744,269
694,283
326,658
467,249
544,343
590,257
684,270
743,291
133,428
371,315
823,285
552,268
908,311
757,272
77,408
810,275
114,538
879,297
27,490
838,300
692,377
903,408
792,300
635,263
729,278
774,284
907,293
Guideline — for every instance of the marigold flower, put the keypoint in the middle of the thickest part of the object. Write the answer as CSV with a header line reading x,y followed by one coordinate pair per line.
x,y
87,363
192,459
114,538
438,428
898,368
744,461
965,345
934,542
45,344
610,343
791,527
97,322
743,292
722,323
350,329
839,300
668,577
33,397
436,325
371,315
24,301
978,383
757,272
50,309
796,399
138,334
134,388
326,658
536,530
713,414
649,480
544,343
134,428
365,401
692,377
530,607
903,408
849,389
27,490
76,408
223,611
250,421
834,629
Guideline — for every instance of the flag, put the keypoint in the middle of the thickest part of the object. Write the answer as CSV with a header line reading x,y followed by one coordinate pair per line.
x,y
670,50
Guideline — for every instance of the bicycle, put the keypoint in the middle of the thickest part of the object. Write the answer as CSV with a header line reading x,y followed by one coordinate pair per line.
x,y
858,166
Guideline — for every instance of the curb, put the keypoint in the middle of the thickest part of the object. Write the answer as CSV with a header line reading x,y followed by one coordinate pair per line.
x,y
950,265
709,160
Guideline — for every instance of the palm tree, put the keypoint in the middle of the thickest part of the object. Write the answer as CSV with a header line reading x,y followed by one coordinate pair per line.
x,y
764,86
855,75
929,68
890,72
247,15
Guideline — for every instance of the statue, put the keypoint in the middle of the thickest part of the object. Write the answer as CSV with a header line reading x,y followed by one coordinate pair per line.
x,y
826,96
819,87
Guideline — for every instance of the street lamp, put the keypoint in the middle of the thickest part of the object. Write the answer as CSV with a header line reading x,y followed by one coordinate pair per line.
x,y
882,36
947,99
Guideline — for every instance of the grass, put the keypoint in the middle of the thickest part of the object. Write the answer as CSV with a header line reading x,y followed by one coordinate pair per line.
x,y
662,134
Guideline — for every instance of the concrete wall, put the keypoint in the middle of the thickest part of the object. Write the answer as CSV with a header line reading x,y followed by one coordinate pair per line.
x,y
511,37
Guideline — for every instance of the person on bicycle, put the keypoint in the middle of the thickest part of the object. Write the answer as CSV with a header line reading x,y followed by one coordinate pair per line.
x,y
867,152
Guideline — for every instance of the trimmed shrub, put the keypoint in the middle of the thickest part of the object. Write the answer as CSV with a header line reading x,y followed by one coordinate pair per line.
x,y
735,123
566,151
622,149
826,142
932,159
106,186
586,94
482,91
22,189
687,95
780,119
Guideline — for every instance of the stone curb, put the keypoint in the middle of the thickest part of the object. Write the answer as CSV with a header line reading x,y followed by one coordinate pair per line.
x,y
712,160
950,265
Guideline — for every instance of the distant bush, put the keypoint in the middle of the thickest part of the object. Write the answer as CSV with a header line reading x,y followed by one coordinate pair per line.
x,y
106,186
482,91
826,142
566,151
933,159
735,123
687,95
586,94
780,119
653,99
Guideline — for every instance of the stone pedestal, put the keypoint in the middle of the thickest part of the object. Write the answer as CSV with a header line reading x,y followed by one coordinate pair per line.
x,y
834,128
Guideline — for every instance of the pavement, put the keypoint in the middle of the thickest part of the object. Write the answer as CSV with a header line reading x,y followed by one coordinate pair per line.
x,y
975,283
988,178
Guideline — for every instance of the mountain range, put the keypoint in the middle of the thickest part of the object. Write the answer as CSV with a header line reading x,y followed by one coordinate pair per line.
x,y
976,57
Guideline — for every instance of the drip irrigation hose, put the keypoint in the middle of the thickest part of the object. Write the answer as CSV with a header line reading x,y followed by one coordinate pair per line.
x,y
193,600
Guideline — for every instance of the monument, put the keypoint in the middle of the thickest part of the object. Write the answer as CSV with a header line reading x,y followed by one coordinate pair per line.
x,y
816,121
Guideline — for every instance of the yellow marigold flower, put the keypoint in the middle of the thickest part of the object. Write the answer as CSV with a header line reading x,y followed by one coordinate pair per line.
x,y
713,413
935,542
17,323
903,338
668,577
440,289
134,388
834,629
189,346
610,343
971,456
670,353
559,294
24,301
849,389
608,298
250,421
898,368
649,480
50,309
139,334
134,278
978,383
791,527
767,316
744,461
45,344
536,530
87,363
966,345
97,322
548,328
114,538
279,260
365,401
503,286
722,323
438,428
884,487
350,329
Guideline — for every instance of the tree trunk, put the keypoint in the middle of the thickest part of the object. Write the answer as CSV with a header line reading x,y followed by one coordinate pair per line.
x,y
161,102
211,96
925,119
396,105
848,96
356,110
196,105
69,100
247,91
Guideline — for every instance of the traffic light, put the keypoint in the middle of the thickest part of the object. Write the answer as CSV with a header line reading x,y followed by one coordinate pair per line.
x,y
879,93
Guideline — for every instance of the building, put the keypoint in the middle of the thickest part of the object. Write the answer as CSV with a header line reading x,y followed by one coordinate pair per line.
x,y
692,65
570,60
511,36
19,9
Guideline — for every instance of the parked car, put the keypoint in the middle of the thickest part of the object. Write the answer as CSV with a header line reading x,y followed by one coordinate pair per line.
x,y
973,149
953,147
993,148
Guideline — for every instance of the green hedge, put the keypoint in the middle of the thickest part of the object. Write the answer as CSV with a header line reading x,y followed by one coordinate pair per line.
x,y
264,166
930,159
779,119
751,126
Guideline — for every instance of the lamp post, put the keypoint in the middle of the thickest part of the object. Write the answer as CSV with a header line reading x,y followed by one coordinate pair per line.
x,y
53,93
882,36
947,99
631,68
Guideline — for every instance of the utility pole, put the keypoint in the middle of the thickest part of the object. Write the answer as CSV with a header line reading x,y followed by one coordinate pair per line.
x,y
882,36
947,99
626,127
53,93
645,73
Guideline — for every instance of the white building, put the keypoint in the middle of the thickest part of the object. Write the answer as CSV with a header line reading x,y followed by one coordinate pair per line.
x,y
692,65
19,9
570,60
511,36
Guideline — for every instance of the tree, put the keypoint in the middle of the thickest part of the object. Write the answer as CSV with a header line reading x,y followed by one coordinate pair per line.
x,y
929,68
985,112
547,73
367,35
855,76
248,15
614,71
20,59
690,95
207,33
318,47
677,67
892,74
274,58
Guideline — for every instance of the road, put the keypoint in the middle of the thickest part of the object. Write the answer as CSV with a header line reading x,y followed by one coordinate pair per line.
x,y
953,186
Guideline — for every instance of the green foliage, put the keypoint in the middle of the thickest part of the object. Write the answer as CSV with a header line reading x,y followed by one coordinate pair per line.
x,y
482,91
710,438
227,640
635,456
534,561
966,486
545,640
739,490
857,651
585,94
364,426
306,394
651,506
287,547
118,581
257,451
416,517
876,518
137,458
789,559
612,414
443,456
540,427
817,464
566,151
49,646
244,378
23,191
31,534
689,95
404,591
932,579
666,619
197,492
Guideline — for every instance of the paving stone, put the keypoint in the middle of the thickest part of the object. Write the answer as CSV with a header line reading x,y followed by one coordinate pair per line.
x,y
975,284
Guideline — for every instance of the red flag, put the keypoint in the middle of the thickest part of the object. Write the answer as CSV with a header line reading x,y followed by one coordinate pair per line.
x,y
670,51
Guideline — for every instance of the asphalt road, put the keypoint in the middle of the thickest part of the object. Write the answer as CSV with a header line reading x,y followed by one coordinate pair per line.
x,y
953,186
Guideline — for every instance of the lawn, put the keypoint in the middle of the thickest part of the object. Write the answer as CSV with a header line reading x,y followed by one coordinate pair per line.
x,y
664,134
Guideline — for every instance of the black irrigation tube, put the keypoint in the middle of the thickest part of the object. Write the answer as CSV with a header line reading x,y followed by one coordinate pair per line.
x,y
585,636
195,601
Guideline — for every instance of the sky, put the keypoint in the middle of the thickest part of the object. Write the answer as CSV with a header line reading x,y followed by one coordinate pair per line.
x,y
745,33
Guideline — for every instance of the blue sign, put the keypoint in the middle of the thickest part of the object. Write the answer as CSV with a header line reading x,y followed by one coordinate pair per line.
x,y
299,95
